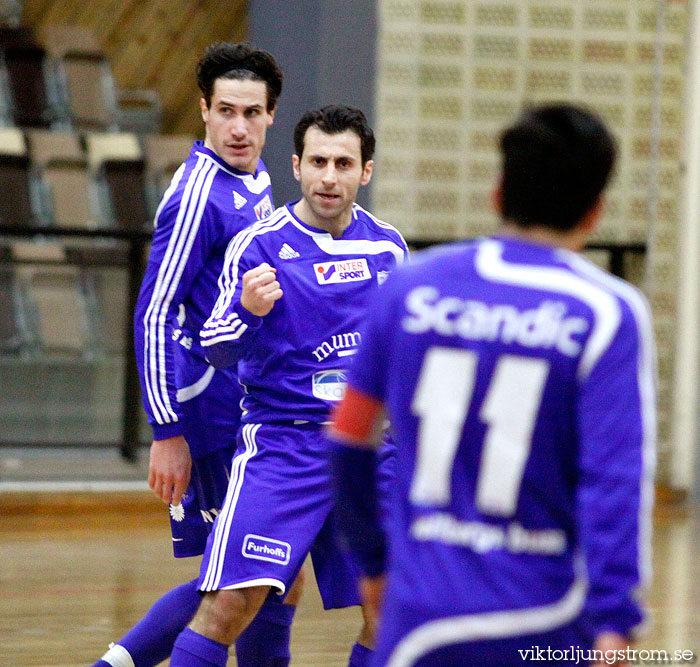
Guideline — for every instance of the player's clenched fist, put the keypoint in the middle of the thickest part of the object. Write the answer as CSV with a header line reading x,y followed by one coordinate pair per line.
x,y
260,289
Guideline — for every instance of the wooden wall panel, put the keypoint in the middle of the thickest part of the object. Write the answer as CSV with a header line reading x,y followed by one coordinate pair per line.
x,y
152,43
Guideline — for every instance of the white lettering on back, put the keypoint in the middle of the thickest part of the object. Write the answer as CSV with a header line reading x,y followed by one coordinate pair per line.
x,y
545,326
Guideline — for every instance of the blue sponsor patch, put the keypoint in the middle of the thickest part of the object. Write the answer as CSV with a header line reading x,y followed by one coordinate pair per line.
x,y
329,385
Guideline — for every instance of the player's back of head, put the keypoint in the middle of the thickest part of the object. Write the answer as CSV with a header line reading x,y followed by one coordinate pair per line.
x,y
556,162
242,61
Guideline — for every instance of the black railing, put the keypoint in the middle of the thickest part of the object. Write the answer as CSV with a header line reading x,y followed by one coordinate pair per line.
x,y
137,241
616,252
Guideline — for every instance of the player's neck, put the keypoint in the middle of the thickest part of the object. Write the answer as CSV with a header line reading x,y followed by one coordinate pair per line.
x,y
334,226
574,239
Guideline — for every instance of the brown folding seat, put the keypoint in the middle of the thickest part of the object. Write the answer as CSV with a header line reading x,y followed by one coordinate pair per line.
x,y
69,192
85,84
117,164
18,189
105,268
27,77
54,290
164,154
84,76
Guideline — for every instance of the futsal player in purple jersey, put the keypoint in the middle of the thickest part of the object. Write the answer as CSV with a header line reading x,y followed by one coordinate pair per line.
x,y
519,380
294,291
221,188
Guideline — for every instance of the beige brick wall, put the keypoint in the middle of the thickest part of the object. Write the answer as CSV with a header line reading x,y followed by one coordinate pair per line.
x,y
452,73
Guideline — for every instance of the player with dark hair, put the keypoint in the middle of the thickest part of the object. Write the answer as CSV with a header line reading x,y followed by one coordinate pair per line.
x,y
335,120
241,62
221,188
519,381
293,293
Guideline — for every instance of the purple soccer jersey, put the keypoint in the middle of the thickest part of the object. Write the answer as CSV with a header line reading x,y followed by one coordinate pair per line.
x,y
207,203
519,382
292,362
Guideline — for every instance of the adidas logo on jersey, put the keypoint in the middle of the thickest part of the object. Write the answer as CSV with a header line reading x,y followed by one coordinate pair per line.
x,y
239,201
287,252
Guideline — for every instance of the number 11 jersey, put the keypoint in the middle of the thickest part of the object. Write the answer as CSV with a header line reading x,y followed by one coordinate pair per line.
x,y
519,382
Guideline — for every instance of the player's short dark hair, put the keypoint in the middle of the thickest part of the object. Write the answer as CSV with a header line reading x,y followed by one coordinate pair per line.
x,y
226,60
334,119
556,162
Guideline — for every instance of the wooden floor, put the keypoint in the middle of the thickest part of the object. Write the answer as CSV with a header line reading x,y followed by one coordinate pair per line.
x,y
77,571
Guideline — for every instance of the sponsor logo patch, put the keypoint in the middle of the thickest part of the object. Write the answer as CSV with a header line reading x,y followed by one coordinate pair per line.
x,y
265,548
263,208
329,385
346,271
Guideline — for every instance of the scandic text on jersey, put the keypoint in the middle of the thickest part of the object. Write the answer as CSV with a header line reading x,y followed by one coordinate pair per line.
x,y
545,326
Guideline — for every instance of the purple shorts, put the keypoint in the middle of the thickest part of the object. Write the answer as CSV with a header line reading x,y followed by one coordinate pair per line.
x,y
193,520
278,509
212,419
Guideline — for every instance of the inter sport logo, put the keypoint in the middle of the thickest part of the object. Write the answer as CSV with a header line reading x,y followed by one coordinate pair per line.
x,y
265,548
347,271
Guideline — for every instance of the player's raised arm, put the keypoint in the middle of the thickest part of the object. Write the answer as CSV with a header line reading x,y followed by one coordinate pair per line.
x,y
260,289
248,289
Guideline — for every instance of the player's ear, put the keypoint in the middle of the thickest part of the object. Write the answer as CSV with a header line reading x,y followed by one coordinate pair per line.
x,y
295,167
204,108
367,172
271,116
589,221
497,197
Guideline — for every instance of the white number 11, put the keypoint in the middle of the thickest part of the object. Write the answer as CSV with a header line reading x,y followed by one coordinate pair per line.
x,y
442,400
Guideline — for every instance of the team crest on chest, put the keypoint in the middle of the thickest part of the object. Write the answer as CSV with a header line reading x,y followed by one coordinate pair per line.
x,y
263,208
346,271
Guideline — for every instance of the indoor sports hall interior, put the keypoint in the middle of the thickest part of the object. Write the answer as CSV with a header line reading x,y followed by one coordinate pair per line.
x,y
99,106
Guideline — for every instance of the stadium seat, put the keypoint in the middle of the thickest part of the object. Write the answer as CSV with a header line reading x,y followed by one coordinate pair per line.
x,y
58,313
69,194
83,77
27,93
116,162
164,153
104,267
18,187
85,85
